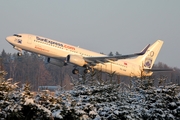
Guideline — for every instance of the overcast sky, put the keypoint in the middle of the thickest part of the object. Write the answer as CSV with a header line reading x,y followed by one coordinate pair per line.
x,y
126,26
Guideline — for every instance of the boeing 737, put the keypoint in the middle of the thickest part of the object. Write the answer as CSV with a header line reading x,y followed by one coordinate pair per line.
x,y
61,54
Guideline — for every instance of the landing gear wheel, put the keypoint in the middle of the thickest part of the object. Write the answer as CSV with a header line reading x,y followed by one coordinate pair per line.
x,y
75,71
86,71
19,54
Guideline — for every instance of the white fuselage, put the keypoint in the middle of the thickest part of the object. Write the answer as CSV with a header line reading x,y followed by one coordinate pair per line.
x,y
55,49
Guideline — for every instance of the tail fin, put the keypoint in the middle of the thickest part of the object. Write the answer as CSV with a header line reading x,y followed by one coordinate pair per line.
x,y
147,60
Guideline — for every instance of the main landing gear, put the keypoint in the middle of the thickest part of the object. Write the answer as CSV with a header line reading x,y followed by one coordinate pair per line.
x,y
76,71
87,71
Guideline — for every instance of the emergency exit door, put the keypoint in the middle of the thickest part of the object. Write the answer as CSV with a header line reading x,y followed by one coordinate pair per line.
x,y
29,39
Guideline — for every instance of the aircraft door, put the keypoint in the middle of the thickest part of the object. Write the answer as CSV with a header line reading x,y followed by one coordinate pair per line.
x,y
30,39
132,71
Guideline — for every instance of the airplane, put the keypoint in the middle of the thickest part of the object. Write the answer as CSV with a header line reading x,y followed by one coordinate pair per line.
x,y
62,54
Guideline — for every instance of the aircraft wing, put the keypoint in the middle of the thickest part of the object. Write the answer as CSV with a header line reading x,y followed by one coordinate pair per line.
x,y
103,59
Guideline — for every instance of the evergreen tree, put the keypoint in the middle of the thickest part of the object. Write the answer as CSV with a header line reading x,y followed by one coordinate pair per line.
x,y
110,54
117,53
3,54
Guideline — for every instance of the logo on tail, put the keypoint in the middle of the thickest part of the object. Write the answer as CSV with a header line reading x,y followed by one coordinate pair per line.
x,y
149,60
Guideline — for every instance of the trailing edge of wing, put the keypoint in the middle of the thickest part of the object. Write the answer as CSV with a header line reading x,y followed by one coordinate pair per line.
x,y
102,59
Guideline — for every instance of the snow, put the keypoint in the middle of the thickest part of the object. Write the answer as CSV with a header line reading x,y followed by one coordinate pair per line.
x,y
29,101
56,114
87,102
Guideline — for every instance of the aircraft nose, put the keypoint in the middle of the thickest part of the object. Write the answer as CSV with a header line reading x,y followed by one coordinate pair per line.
x,y
9,39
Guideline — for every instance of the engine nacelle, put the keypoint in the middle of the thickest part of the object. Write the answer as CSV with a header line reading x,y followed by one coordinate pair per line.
x,y
76,60
55,62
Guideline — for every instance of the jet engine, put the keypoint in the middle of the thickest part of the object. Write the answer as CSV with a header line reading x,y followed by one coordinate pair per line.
x,y
55,62
76,60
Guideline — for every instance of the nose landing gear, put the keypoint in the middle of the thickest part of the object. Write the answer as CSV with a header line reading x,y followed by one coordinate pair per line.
x,y
19,54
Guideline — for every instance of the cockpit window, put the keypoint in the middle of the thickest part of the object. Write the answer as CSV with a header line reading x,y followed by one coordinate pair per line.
x,y
17,35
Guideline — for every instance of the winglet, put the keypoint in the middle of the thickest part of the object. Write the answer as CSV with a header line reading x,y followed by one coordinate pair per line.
x,y
144,50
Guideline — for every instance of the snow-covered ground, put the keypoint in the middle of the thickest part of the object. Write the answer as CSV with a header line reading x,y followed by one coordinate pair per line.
x,y
84,102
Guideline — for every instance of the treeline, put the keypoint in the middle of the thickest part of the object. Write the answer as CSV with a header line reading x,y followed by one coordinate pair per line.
x,y
31,68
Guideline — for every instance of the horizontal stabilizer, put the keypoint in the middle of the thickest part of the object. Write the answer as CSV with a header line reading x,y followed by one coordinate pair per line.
x,y
159,70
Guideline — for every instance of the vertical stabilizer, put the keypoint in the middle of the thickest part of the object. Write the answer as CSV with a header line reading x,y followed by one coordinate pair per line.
x,y
147,60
